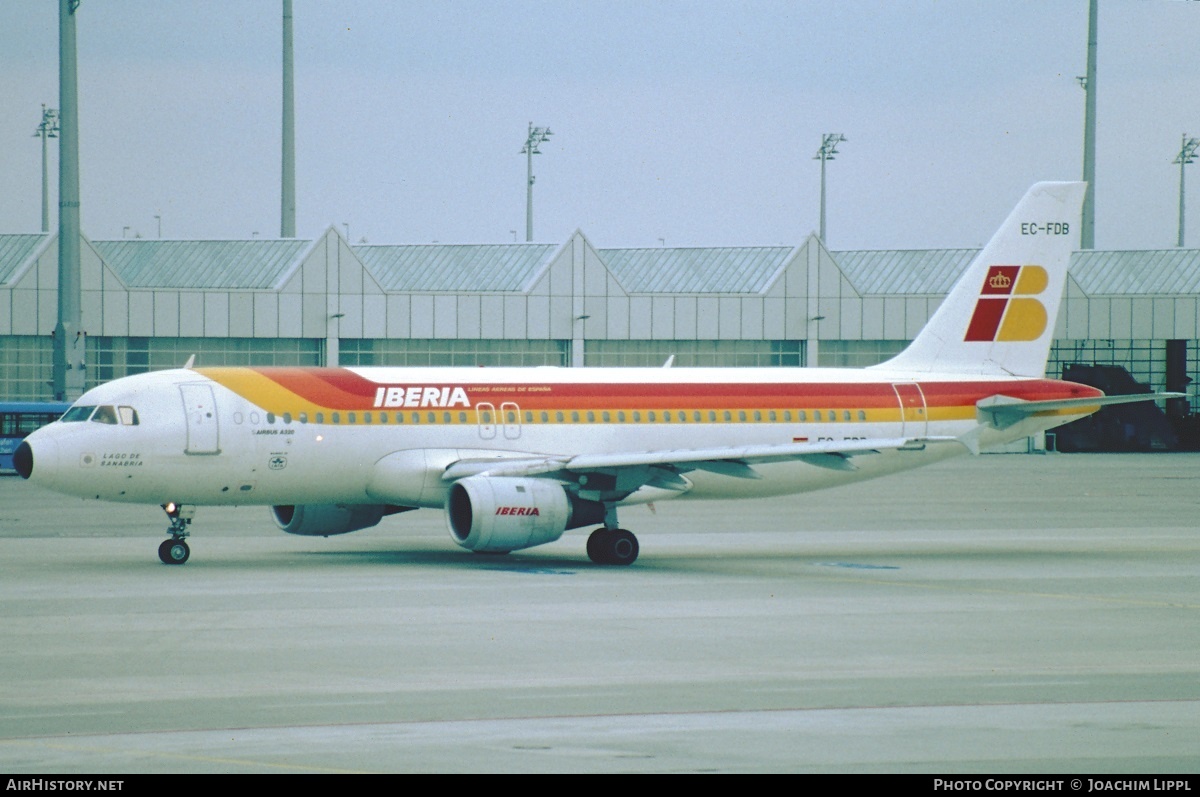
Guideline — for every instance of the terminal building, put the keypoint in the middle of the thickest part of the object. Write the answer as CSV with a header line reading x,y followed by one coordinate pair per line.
x,y
150,304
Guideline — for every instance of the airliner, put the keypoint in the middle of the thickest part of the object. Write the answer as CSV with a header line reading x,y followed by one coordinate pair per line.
x,y
515,457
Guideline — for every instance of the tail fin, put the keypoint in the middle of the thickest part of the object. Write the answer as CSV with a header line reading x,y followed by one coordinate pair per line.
x,y
999,317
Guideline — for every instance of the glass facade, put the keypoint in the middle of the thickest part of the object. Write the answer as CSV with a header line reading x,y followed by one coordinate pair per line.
x,y
112,357
857,353
1144,358
26,367
436,351
694,353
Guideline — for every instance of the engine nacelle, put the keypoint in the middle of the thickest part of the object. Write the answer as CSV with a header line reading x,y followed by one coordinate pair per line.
x,y
324,520
502,514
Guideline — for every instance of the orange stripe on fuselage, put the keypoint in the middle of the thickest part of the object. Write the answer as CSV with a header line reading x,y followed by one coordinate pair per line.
x,y
282,390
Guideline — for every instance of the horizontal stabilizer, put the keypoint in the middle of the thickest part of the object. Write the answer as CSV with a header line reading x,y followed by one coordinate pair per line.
x,y
1002,412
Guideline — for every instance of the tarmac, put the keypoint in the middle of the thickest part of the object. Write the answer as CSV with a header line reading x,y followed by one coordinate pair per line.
x,y
995,614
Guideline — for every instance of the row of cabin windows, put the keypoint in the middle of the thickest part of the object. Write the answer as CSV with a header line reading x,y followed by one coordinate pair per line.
x,y
575,416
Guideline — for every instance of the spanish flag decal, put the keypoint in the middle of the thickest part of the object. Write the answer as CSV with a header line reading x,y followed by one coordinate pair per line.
x,y
1006,310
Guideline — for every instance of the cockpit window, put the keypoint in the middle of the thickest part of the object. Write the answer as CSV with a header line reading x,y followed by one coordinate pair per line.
x,y
78,413
129,416
105,413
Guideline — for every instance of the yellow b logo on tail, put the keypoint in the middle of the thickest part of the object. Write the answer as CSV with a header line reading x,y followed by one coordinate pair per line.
x,y
1005,311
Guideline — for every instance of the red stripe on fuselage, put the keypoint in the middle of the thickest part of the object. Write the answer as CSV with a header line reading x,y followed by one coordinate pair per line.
x,y
341,389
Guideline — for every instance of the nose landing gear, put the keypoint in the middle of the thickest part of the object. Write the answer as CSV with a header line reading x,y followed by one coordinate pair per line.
x,y
175,551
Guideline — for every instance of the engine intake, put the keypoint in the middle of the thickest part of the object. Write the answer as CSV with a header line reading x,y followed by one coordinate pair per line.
x,y
501,514
324,520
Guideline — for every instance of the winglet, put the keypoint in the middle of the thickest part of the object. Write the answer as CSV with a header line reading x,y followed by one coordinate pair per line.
x,y
191,361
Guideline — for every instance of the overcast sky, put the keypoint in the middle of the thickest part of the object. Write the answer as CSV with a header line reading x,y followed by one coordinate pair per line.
x,y
694,122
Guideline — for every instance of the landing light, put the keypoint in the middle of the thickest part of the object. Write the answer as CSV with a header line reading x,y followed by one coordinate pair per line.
x,y
176,511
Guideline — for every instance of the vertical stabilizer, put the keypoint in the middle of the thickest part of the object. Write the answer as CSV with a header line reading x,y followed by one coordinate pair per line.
x,y
999,317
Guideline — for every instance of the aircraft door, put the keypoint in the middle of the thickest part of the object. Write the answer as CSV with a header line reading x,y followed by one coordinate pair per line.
x,y
512,419
914,420
200,411
486,411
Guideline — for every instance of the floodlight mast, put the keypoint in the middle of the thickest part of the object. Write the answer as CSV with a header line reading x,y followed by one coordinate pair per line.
x,y
1187,152
1087,233
537,135
47,128
70,341
287,193
827,151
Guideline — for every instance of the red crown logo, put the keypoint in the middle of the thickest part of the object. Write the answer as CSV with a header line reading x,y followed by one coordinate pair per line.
x,y
999,280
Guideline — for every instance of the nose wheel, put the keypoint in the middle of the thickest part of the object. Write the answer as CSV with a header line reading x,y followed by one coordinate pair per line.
x,y
175,551
612,547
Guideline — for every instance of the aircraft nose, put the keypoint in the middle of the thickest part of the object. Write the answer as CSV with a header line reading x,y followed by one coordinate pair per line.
x,y
24,459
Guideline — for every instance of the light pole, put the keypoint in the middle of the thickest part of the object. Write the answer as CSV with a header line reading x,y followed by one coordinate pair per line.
x,y
1087,232
47,128
828,149
537,136
1186,152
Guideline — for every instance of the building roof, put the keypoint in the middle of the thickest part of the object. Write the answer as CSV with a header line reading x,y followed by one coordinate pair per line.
x,y
1158,272
512,267
725,269
455,267
142,263
903,271
15,251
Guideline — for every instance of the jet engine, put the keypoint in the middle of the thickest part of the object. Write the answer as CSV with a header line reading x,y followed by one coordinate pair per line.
x,y
500,514
324,520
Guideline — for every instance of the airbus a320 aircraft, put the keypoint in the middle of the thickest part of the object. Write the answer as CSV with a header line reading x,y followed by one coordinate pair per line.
x,y
517,456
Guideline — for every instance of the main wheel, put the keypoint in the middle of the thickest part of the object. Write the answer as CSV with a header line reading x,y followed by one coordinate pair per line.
x,y
612,547
622,547
596,545
174,552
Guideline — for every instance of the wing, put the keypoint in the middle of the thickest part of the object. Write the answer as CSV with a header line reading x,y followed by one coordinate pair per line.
x,y
617,475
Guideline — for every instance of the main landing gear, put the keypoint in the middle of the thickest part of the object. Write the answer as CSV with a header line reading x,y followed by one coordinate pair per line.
x,y
612,547
175,551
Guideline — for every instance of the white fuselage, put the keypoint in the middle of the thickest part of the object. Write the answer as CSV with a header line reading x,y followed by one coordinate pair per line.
x,y
235,436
